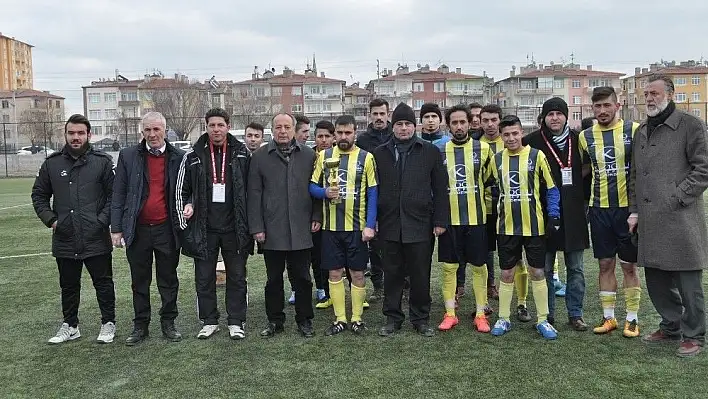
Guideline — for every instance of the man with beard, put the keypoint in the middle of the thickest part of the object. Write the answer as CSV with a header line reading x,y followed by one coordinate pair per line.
x,y
80,180
412,209
282,217
669,176
212,202
607,147
468,165
490,118
378,133
253,137
560,145
348,224
144,217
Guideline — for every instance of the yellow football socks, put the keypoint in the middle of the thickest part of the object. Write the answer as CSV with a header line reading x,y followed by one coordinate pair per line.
x,y
540,298
607,300
358,298
506,291
337,295
480,275
521,281
449,285
631,297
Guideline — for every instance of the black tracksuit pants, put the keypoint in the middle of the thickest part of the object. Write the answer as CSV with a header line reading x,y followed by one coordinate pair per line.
x,y
100,269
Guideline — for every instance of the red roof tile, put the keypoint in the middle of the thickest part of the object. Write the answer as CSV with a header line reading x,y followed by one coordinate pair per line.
x,y
29,94
566,72
700,70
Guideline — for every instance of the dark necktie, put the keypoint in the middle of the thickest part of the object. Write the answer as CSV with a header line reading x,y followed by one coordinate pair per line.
x,y
155,151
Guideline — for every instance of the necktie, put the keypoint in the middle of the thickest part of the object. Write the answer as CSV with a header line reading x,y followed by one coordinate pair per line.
x,y
155,151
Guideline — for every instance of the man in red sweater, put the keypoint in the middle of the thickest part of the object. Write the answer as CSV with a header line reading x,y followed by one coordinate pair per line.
x,y
143,221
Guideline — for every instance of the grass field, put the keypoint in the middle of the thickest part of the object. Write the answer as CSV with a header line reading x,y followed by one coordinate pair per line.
x,y
461,363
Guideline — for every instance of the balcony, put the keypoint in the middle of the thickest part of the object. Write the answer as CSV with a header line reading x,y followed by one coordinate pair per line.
x,y
128,103
322,96
469,92
540,90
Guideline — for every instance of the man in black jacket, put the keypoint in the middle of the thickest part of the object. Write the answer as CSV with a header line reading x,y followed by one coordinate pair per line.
x,y
81,182
560,145
412,208
378,133
143,219
211,203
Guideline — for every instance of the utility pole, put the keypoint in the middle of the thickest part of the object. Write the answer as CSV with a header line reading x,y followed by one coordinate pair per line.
x,y
378,69
16,135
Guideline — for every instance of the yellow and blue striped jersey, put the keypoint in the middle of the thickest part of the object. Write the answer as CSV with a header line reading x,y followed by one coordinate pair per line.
x,y
610,153
356,173
468,167
496,145
520,177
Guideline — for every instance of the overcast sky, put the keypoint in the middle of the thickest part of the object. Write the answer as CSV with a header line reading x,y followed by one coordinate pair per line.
x,y
77,41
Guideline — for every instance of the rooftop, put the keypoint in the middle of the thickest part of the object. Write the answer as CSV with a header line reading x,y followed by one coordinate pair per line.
x,y
29,94
571,70
426,75
12,38
288,77
356,91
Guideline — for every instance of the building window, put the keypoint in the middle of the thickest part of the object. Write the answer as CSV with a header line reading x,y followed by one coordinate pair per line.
x,y
58,104
418,87
97,130
696,97
6,119
418,104
577,116
259,91
696,80
696,112
109,98
327,107
297,91
576,83
130,96
296,107
680,97
558,84
439,87
314,90
94,98
110,113
5,104
276,91
680,82
94,114
577,100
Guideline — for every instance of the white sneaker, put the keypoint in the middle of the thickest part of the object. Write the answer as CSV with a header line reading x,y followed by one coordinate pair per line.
x,y
207,331
236,331
64,334
108,332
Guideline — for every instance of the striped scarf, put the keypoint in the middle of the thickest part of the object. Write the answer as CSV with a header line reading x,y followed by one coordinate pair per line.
x,y
562,138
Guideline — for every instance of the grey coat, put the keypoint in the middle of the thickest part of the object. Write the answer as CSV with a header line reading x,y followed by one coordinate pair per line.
x,y
279,201
669,174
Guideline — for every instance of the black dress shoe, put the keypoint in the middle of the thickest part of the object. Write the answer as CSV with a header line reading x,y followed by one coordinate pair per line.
x,y
424,330
170,332
306,329
137,336
389,329
271,329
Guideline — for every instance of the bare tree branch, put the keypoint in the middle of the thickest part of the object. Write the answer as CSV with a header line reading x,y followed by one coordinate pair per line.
x,y
249,108
180,104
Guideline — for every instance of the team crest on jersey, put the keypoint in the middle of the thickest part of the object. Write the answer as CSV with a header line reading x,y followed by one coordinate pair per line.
x,y
531,165
627,139
359,167
475,158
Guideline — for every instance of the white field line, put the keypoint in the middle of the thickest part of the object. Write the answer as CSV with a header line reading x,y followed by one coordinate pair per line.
x,y
25,255
13,207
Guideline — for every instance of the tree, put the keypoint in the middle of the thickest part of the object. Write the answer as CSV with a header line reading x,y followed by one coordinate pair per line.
x,y
248,108
182,104
128,128
40,128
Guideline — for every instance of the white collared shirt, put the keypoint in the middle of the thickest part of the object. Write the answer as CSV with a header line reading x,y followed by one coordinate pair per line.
x,y
162,149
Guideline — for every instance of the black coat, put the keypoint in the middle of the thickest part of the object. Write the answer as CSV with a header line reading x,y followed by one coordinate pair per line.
x,y
82,192
130,189
372,138
573,233
192,189
408,210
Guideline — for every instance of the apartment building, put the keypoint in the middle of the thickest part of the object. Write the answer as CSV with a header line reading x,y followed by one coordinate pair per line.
x,y
15,64
356,103
690,83
441,86
525,92
113,106
30,114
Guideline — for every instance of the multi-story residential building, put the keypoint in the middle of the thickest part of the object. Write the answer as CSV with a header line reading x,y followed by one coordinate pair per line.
x,y
356,103
317,97
441,86
15,64
524,93
690,83
31,115
114,108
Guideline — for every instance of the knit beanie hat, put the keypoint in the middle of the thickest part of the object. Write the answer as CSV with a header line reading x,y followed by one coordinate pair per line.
x,y
403,112
428,108
554,104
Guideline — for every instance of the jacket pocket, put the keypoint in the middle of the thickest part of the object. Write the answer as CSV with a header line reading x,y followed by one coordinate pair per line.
x,y
65,226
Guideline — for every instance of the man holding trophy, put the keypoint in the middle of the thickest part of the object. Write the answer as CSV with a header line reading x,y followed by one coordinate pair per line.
x,y
345,176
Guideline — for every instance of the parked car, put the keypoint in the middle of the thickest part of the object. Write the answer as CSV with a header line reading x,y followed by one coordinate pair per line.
x,y
38,149
182,145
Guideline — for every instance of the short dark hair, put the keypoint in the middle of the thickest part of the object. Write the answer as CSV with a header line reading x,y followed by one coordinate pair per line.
x,y
378,102
492,109
475,105
301,120
256,126
509,120
603,92
345,120
668,82
587,122
458,108
217,112
78,119
325,125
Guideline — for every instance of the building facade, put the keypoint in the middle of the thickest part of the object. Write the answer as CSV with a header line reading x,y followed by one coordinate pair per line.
x,y
690,83
28,116
15,64
356,103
